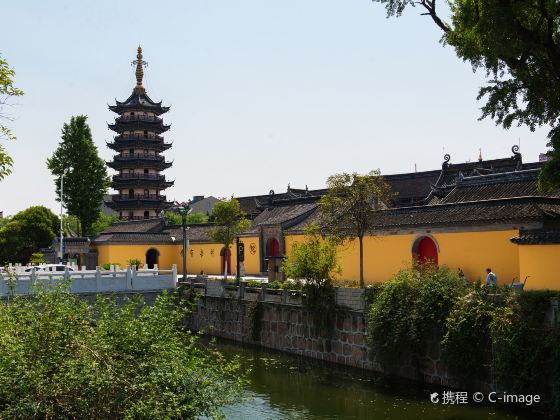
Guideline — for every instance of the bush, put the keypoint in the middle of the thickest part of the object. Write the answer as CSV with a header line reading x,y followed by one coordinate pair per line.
x,y
61,357
37,258
403,311
253,283
134,262
107,266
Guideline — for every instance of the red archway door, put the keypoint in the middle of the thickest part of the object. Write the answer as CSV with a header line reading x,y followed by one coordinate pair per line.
x,y
427,251
273,248
225,255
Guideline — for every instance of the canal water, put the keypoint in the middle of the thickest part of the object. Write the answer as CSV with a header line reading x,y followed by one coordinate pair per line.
x,y
282,386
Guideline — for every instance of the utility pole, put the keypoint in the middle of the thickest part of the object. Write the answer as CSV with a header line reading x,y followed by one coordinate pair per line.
x,y
183,209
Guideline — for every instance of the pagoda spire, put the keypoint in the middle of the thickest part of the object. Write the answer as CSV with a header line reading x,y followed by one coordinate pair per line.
x,y
140,64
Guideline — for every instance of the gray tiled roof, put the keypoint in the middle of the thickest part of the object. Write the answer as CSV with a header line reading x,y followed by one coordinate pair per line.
x,y
538,236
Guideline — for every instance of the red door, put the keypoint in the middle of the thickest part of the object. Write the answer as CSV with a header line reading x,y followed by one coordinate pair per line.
x,y
427,251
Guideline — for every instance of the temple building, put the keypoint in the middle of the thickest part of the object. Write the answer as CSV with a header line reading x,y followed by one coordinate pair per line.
x,y
139,161
466,216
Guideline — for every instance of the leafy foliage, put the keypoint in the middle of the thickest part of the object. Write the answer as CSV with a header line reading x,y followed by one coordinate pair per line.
x,y
61,357
405,310
134,262
314,263
348,209
7,90
517,44
37,258
467,339
102,222
87,181
192,218
26,232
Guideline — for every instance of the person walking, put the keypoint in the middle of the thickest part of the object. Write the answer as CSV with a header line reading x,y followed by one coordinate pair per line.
x,y
491,278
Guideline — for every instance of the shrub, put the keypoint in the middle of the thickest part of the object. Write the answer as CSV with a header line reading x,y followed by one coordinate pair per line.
x,y
37,258
61,357
410,306
107,266
253,283
134,262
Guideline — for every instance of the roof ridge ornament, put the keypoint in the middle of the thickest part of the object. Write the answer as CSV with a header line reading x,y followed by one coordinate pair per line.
x,y
517,157
140,64
446,159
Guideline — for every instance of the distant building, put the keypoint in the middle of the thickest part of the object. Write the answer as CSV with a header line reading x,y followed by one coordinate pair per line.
x,y
543,157
201,204
1,214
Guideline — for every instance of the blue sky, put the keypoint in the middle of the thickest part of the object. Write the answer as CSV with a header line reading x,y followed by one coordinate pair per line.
x,y
262,93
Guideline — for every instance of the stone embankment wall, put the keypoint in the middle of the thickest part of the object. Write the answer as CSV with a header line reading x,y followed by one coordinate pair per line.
x,y
283,323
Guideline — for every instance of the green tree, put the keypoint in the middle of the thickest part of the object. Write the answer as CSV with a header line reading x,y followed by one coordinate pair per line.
x,y
348,210
61,357
87,181
26,232
7,90
230,222
314,260
517,43
103,222
192,218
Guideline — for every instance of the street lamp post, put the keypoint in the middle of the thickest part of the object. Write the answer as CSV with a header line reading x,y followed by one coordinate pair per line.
x,y
66,170
183,209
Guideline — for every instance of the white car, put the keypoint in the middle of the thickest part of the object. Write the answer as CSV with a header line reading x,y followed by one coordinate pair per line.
x,y
47,268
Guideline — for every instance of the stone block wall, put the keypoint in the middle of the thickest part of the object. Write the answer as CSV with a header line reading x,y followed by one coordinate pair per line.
x,y
294,329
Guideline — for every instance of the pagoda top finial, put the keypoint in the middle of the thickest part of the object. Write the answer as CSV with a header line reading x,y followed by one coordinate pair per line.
x,y
140,64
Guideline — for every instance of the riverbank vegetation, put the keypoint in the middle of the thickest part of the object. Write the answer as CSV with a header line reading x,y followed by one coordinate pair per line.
x,y
61,357
487,335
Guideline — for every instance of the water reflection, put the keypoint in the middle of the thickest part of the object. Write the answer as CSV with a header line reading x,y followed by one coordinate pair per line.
x,y
286,387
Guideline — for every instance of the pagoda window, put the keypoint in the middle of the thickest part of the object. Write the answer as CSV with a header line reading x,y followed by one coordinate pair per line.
x,y
120,215
130,215
146,193
145,134
131,193
146,214
146,172
131,152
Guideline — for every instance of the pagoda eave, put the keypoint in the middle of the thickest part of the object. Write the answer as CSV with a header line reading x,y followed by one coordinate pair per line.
x,y
120,145
120,184
148,164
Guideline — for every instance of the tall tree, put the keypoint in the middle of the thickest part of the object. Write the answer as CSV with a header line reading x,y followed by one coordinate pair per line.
x,y
517,43
230,222
86,181
26,232
349,208
7,90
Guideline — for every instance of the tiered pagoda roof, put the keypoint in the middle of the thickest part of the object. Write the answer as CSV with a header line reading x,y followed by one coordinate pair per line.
x,y
139,144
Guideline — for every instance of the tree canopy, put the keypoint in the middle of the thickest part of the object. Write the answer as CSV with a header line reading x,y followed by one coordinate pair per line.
x,y
87,181
7,90
348,209
517,43
26,232
193,218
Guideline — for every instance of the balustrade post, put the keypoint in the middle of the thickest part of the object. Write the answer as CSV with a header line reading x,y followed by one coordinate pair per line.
x,y
130,276
97,279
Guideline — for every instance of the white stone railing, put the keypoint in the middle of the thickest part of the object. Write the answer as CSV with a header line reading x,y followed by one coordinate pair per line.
x,y
91,281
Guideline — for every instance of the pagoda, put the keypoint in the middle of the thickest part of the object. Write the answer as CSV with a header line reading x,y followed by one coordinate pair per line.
x,y
139,161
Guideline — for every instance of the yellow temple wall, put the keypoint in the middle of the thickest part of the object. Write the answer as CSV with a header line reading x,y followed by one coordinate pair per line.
x,y
473,252
120,254
542,264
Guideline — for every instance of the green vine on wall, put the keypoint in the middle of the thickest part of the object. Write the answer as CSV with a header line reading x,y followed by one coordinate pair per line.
x,y
487,334
255,312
